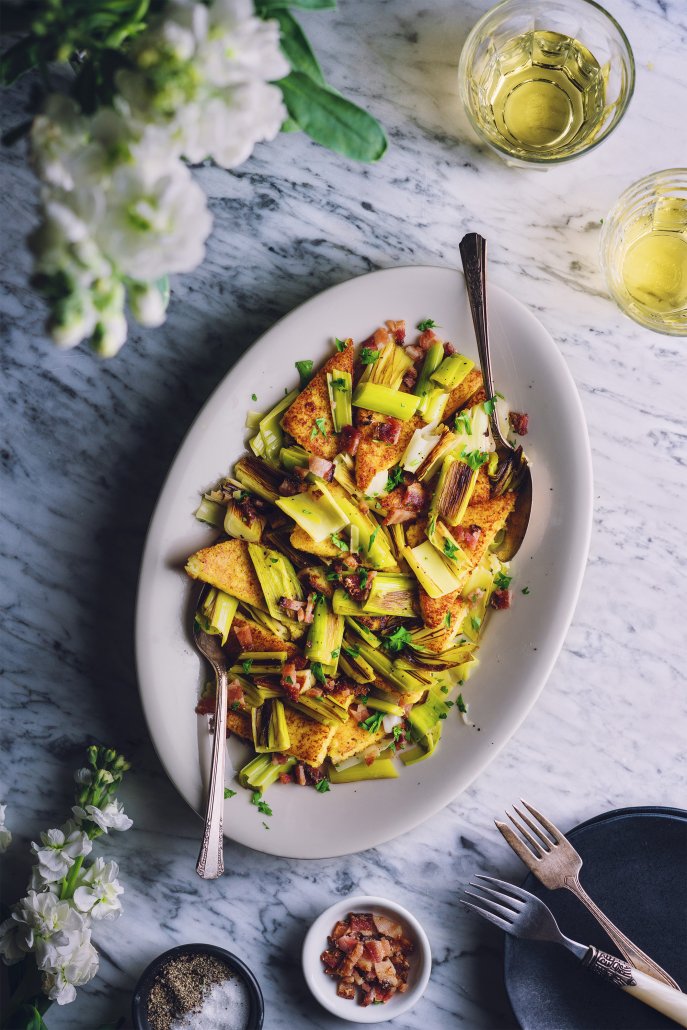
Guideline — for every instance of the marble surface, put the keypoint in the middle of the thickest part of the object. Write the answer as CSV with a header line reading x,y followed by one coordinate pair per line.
x,y
85,447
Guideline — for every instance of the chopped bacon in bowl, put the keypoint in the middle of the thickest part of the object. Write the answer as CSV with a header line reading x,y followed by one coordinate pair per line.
x,y
368,954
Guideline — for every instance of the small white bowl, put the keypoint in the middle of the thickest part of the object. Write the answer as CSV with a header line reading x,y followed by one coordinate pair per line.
x,y
323,987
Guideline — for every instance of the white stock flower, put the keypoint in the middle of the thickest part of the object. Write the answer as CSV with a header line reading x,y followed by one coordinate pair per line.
x,y
56,856
98,890
73,964
111,817
5,834
147,303
57,135
44,924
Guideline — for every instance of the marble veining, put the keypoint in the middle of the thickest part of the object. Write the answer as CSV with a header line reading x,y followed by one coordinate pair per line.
x,y
85,447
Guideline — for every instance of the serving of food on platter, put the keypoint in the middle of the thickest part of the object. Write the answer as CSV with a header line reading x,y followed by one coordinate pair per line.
x,y
338,495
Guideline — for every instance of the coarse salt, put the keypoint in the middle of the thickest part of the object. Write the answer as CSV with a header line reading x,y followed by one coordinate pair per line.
x,y
226,1007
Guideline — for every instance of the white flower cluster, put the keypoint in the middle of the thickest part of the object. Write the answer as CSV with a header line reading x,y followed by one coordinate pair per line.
x,y
56,929
120,208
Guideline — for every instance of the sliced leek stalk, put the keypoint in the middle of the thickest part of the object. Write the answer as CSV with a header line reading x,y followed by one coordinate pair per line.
x,y
255,694
379,704
259,663
433,573
236,526
258,477
270,429
441,538
430,465
405,680
217,613
392,594
210,512
363,632
435,402
343,603
386,401
293,457
380,769
322,709
325,636
355,666
277,578
454,489
340,390
268,723
389,367
452,371
261,771
423,386
315,511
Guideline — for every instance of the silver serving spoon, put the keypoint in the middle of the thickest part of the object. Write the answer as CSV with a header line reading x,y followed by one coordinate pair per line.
x,y
210,862
513,470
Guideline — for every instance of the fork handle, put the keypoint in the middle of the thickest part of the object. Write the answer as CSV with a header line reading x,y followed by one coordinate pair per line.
x,y
473,254
210,862
634,955
645,988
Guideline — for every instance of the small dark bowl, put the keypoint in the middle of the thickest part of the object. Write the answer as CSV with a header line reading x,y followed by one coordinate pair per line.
x,y
139,1002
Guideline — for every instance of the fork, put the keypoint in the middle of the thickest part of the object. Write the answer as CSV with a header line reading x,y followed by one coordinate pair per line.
x,y
523,915
555,863
210,862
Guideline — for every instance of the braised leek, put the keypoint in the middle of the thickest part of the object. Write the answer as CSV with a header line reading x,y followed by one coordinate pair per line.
x,y
323,643
261,772
340,390
268,723
385,401
454,489
277,578
380,769
452,371
315,511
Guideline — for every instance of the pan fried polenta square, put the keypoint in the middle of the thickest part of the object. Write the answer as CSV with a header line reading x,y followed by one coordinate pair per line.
x,y
228,567
463,393
302,541
350,739
491,517
309,419
375,456
261,638
445,613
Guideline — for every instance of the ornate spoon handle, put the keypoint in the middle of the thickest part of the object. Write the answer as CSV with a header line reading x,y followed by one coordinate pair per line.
x,y
210,862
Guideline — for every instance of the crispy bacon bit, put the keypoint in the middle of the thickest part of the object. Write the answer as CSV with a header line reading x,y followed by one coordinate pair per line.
x,y
368,962
381,337
519,422
467,535
206,705
397,329
234,693
399,515
286,778
410,378
387,431
247,507
426,339
415,496
414,352
289,680
291,604
291,485
501,599
350,438
312,775
359,712
299,774
321,467
309,608
449,349
244,636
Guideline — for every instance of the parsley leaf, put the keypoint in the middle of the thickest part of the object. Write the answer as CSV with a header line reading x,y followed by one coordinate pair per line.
x,y
427,323
247,665
353,652
397,731
254,396
318,672
463,423
229,793
489,406
369,355
397,640
447,619
444,690
475,622
395,477
319,427
332,577
525,590
305,371
475,459
462,707
450,550
339,384
373,537
502,581
340,344
338,542
363,575
323,786
262,806
373,723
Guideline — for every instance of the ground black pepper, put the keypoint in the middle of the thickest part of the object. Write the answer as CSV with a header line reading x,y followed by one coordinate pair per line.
x,y
181,985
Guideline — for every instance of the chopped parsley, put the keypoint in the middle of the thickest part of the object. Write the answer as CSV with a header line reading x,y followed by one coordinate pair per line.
x,y
369,355
373,723
363,575
254,396
335,653
462,707
340,344
427,323
373,537
447,620
395,477
229,793
338,542
397,731
353,652
319,427
449,704
489,406
443,715
247,666
305,368
397,640
318,672
323,786
265,825
525,590
475,459
475,622
444,690
463,423
502,581
235,706
450,550
339,384
261,806
332,577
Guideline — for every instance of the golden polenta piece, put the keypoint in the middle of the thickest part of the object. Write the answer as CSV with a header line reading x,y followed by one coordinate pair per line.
x,y
309,739
445,613
491,517
375,456
228,567
262,639
302,541
408,697
463,393
350,739
312,403
482,491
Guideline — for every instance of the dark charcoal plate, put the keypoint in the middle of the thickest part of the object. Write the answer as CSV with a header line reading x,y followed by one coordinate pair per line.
x,y
635,862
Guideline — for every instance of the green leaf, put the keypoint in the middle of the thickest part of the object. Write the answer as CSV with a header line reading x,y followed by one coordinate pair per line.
x,y
31,1019
266,8
332,120
290,126
296,47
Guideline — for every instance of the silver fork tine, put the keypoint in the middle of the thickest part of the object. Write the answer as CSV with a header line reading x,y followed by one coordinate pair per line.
x,y
517,892
536,847
500,910
546,823
496,920
518,846
514,903
546,841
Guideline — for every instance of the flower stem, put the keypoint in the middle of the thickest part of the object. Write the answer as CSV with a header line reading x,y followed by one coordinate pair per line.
x,y
69,881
